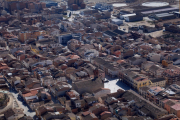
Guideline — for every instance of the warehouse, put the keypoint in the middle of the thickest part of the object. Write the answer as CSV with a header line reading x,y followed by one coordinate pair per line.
x,y
146,13
117,21
133,18
164,16
177,14
127,15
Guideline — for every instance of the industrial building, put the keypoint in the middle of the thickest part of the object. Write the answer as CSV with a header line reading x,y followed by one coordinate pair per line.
x,y
126,15
117,21
146,13
164,16
177,14
133,18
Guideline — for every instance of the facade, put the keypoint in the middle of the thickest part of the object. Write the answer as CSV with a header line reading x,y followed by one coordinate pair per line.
x,y
24,35
133,79
101,92
164,16
156,95
126,15
63,39
117,21
60,90
172,75
133,18
158,82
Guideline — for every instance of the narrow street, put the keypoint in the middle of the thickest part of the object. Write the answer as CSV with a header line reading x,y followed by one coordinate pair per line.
x,y
22,105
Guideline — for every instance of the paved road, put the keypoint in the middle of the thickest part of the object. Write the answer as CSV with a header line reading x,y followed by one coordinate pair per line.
x,y
115,84
23,106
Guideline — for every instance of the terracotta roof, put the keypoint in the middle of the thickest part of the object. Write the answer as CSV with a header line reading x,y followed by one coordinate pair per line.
x,y
86,113
176,107
31,93
105,113
74,57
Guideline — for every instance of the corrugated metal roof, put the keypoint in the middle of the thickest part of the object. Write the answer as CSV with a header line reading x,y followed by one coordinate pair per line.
x,y
164,15
160,10
127,15
117,20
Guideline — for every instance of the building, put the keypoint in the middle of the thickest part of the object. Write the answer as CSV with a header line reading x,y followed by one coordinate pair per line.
x,y
134,79
77,3
117,21
123,16
161,10
50,3
59,90
143,106
24,35
101,92
105,65
133,18
164,16
175,109
158,82
64,38
88,86
103,6
156,95
173,28
172,75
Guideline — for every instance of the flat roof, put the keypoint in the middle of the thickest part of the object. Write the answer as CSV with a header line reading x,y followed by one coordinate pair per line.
x,y
127,15
116,20
164,15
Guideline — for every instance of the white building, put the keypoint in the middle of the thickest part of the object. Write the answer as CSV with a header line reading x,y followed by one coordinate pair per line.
x,y
91,53
117,21
127,15
154,57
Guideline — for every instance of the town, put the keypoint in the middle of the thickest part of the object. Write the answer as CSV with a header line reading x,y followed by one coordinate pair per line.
x,y
89,60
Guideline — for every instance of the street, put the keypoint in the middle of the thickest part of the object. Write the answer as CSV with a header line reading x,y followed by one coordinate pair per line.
x,y
21,105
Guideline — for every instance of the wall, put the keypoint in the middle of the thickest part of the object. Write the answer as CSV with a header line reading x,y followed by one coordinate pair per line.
x,y
101,93
26,35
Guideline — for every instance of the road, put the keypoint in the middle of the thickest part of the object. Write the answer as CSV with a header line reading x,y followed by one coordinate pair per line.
x,y
14,102
115,84
23,106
